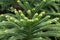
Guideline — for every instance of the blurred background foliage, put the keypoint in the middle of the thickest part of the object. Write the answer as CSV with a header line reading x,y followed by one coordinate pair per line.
x,y
49,5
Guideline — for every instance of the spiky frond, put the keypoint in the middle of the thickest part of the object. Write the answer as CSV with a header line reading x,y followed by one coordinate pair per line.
x,y
20,27
31,23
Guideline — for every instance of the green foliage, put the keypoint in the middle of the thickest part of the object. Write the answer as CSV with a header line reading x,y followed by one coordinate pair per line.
x,y
5,4
36,5
51,7
20,27
31,23
40,5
